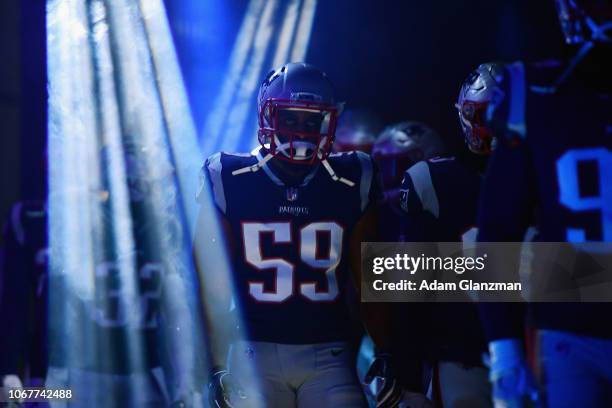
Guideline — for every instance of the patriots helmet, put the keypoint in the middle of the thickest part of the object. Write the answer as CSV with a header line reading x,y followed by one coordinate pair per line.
x,y
297,113
401,145
357,130
475,96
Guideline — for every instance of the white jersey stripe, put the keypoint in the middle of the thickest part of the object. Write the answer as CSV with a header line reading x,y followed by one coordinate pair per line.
x,y
421,178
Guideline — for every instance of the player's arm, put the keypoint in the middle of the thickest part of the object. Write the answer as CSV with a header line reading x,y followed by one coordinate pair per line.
x,y
506,205
376,316
508,193
210,243
178,328
213,245
220,325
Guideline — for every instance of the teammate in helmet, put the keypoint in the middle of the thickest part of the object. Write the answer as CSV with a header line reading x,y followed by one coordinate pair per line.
x,y
106,370
553,125
357,130
439,198
397,148
294,216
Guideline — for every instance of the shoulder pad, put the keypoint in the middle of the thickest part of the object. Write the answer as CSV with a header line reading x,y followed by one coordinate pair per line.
x,y
211,176
423,186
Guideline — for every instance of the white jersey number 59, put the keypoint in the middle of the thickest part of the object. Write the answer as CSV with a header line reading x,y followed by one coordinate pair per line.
x,y
283,269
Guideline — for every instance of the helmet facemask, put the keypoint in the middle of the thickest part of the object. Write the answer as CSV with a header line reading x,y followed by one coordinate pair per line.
x,y
472,120
479,91
297,131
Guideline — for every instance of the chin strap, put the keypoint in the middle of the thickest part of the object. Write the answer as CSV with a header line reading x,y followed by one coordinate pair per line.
x,y
254,167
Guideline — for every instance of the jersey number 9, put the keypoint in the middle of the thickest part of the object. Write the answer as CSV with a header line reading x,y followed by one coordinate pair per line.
x,y
569,189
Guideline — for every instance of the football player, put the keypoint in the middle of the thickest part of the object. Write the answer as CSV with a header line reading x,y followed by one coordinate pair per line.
x,y
553,125
107,370
439,198
397,148
294,216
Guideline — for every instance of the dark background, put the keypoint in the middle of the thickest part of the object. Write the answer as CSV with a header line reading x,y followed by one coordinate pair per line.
x,y
401,59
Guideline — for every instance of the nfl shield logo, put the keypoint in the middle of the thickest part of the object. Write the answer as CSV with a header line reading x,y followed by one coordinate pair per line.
x,y
292,194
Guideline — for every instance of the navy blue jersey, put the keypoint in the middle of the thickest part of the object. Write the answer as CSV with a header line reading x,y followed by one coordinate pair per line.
x,y
23,291
389,225
440,199
553,157
290,265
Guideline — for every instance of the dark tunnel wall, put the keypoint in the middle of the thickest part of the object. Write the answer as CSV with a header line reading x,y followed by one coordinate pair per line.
x,y
407,59
400,59
10,97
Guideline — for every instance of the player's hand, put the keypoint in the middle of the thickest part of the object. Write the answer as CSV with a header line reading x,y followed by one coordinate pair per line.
x,y
381,375
223,390
514,385
11,381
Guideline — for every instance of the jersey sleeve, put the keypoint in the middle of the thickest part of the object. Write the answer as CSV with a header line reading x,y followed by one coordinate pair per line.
x,y
211,182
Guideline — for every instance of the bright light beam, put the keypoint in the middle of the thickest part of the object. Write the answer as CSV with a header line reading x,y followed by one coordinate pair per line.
x,y
182,135
309,7
114,81
215,120
103,94
286,34
73,177
243,103
292,41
